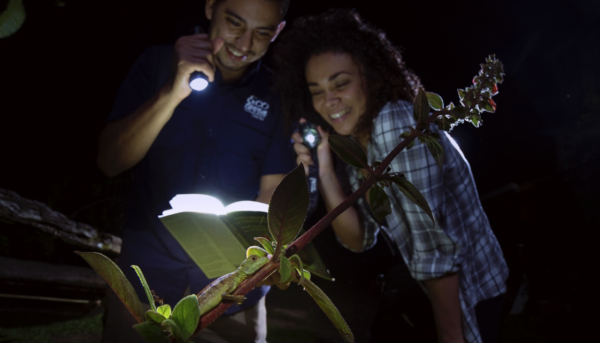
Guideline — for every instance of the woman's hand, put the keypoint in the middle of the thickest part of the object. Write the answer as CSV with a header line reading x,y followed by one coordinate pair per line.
x,y
304,156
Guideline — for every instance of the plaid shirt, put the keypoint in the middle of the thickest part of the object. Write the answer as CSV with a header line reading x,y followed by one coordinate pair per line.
x,y
462,241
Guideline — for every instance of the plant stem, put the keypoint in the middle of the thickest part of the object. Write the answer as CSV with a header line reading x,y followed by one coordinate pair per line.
x,y
309,235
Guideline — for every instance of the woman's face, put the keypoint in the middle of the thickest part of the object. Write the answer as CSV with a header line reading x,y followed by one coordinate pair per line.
x,y
338,90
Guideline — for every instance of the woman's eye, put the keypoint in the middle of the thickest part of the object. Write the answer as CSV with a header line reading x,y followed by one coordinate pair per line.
x,y
315,93
340,85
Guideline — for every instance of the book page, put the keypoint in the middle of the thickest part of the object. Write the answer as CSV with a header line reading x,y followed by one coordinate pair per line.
x,y
246,205
207,241
195,203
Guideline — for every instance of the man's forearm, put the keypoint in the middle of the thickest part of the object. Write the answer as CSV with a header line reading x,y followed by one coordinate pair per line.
x,y
125,142
443,293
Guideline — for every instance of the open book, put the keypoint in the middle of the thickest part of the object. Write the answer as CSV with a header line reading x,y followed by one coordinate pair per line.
x,y
216,237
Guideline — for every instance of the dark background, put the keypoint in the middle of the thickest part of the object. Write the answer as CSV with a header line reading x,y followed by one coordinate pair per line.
x,y
535,160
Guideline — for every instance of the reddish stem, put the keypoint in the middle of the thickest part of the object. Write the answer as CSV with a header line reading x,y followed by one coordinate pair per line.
x,y
298,244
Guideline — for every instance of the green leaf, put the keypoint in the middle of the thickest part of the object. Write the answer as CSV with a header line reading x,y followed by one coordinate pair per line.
x,y
435,148
296,262
445,122
349,150
175,331
12,18
379,202
413,194
487,106
287,209
152,332
285,270
186,315
475,119
421,109
330,310
265,243
154,316
459,112
435,101
115,278
306,276
139,273
165,310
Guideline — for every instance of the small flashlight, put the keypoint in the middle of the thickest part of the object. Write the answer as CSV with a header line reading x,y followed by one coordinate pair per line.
x,y
198,81
311,139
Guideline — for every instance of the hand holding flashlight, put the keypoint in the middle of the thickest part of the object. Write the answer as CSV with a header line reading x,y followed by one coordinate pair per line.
x,y
198,80
311,139
192,53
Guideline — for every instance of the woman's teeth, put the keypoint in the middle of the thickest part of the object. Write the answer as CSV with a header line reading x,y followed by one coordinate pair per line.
x,y
339,114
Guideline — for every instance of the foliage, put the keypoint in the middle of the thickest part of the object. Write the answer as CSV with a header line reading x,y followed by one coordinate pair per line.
x,y
12,18
287,212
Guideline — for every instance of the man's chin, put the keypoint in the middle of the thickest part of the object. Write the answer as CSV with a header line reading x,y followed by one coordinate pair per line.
x,y
228,64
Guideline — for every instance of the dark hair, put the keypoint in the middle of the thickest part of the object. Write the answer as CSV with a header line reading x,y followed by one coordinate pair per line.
x,y
285,4
340,30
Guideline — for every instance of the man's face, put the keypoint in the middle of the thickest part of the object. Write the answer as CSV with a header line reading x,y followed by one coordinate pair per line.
x,y
247,27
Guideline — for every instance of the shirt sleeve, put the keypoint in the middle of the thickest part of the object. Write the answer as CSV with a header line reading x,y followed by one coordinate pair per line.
x,y
142,82
427,249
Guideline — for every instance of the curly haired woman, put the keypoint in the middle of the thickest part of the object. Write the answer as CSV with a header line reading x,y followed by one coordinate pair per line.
x,y
343,74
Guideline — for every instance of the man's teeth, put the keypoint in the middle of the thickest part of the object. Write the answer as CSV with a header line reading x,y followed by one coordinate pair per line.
x,y
339,114
236,54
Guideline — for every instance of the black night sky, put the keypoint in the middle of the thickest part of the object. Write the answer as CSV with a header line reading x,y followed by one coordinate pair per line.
x,y
535,160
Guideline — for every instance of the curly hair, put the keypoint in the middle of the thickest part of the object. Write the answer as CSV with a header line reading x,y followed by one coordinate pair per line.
x,y
340,31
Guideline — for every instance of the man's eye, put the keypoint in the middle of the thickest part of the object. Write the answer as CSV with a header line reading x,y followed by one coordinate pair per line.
x,y
234,22
266,34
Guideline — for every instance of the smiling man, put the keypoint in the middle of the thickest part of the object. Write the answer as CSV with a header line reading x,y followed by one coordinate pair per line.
x,y
225,141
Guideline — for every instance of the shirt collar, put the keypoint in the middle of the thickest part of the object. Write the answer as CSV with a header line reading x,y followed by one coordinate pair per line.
x,y
245,79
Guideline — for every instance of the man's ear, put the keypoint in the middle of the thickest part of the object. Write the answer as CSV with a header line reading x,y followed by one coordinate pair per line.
x,y
208,10
279,29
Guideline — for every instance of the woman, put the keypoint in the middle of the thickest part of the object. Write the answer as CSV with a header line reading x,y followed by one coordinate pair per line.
x,y
346,76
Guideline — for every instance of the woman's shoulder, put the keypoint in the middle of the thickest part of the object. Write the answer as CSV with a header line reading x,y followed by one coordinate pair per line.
x,y
396,115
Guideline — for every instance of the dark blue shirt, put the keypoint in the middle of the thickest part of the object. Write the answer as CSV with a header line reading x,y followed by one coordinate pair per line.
x,y
219,141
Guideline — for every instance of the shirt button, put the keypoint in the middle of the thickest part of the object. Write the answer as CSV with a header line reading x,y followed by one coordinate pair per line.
x,y
210,132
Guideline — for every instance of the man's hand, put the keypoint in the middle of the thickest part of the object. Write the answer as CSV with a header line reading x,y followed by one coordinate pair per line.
x,y
192,53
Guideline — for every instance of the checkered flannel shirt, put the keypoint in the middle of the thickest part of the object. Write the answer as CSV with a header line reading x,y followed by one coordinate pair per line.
x,y
462,241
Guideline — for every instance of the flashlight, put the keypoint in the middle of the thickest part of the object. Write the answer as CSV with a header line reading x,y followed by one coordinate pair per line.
x,y
198,81
311,139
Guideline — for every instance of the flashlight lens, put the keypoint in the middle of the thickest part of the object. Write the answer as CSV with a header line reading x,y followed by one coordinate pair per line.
x,y
310,138
198,84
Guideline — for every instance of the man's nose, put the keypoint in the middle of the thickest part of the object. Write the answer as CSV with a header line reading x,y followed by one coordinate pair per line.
x,y
244,41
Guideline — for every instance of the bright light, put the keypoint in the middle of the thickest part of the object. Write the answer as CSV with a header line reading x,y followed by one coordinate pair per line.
x,y
310,138
198,84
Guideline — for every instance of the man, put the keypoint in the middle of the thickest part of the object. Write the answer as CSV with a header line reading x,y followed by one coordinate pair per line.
x,y
225,141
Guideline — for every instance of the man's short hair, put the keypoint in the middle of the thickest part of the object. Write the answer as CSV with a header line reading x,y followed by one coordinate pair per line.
x,y
285,4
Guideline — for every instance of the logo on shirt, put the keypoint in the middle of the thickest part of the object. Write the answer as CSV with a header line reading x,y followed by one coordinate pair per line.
x,y
256,107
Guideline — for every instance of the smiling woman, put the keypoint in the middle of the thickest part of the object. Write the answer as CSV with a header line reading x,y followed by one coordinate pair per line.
x,y
345,75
